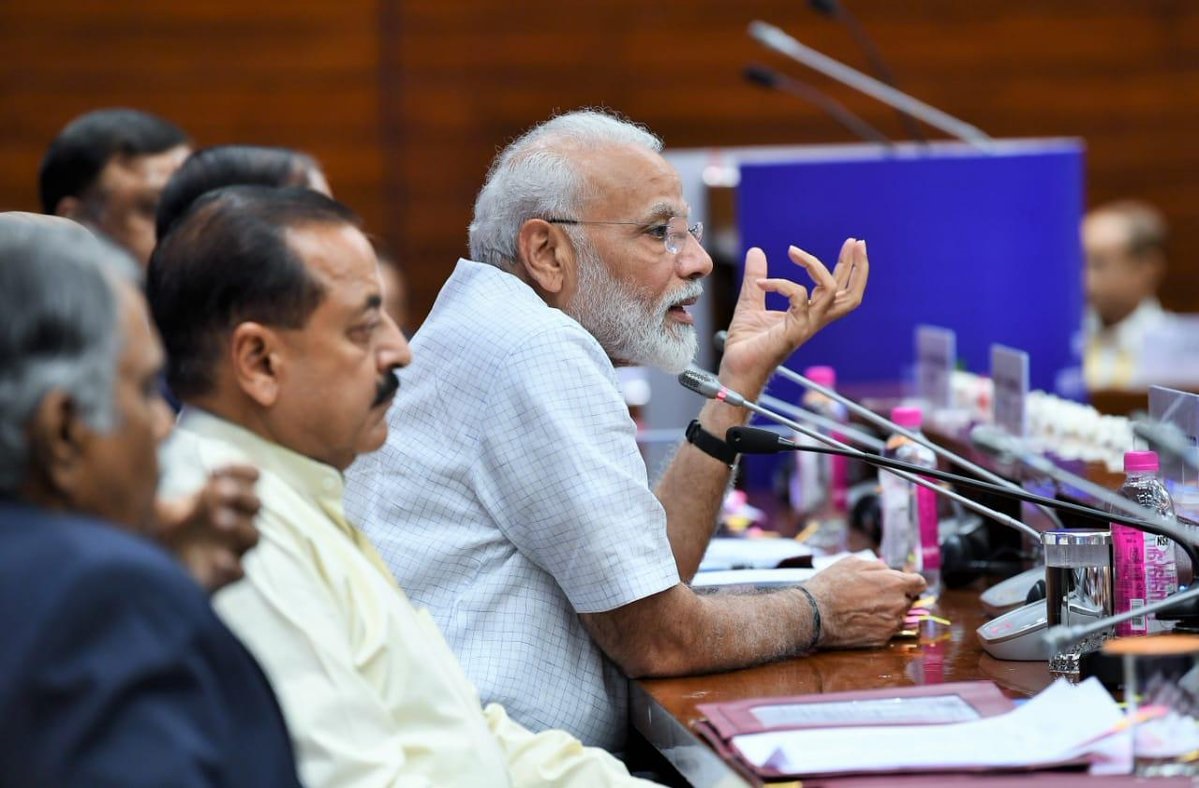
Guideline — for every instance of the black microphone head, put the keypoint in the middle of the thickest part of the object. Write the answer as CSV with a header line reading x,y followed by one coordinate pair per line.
x,y
826,7
699,382
751,440
760,75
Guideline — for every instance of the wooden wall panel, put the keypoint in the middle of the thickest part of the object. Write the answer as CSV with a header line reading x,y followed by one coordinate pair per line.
x,y
1122,75
406,101
304,73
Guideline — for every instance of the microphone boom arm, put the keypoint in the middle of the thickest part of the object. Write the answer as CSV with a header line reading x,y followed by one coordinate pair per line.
x,y
1172,532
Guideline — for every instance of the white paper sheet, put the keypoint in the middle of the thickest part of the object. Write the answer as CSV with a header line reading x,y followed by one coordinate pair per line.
x,y
729,553
937,709
769,578
1058,726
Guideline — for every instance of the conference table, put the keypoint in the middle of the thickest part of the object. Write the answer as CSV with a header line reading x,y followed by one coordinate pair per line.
x,y
662,711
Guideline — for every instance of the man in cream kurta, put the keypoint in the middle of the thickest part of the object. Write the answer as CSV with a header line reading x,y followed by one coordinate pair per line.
x,y
270,306
371,692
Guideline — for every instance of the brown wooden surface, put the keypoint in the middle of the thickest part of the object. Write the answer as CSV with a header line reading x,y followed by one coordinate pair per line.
x,y
953,654
405,101
303,73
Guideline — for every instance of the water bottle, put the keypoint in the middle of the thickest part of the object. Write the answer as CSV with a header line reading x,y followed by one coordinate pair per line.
x,y
909,512
1146,569
819,485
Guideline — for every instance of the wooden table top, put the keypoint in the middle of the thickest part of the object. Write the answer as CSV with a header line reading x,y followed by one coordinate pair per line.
x,y
951,654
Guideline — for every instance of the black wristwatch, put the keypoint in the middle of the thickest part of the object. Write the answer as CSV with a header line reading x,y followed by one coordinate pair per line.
x,y
709,444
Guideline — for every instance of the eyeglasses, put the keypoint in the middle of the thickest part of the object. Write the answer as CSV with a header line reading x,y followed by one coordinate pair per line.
x,y
673,233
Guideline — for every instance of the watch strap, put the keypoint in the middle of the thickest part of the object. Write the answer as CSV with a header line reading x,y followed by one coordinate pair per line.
x,y
709,444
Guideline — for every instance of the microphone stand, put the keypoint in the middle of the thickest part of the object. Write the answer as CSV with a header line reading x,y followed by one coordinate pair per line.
x,y
772,80
887,424
704,384
1060,637
799,414
774,38
839,12
1001,443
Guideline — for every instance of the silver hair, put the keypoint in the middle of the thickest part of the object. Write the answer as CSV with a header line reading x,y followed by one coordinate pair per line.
x,y
60,328
536,177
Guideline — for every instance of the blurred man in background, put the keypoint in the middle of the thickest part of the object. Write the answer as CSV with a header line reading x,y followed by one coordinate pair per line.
x,y
114,669
106,170
1125,248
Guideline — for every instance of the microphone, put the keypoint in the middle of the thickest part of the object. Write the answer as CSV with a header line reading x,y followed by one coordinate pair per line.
x,y
815,419
772,80
890,426
706,385
1061,637
1168,439
773,38
998,442
838,11
752,440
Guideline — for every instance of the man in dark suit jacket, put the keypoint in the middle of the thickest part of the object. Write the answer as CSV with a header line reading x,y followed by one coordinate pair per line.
x,y
114,671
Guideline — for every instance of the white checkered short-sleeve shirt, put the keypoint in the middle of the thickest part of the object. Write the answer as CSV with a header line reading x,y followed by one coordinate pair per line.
x,y
511,496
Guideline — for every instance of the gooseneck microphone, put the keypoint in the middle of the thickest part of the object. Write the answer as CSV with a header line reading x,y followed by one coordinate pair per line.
x,y
846,432
1001,443
773,38
838,11
752,440
772,80
1061,637
890,426
1168,439
708,386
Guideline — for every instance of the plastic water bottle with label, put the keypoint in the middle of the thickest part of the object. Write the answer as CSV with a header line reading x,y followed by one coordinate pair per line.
x,y
909,512
819,486
1146,569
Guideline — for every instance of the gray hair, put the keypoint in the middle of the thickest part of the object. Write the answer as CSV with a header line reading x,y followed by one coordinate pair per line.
x,y
536,177
59,330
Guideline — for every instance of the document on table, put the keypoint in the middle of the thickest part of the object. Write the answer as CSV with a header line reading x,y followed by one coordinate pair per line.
x,y
889,711
728,553
1064,724
766,578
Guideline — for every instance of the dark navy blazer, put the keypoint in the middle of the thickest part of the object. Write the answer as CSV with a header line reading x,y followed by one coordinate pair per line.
x,y
114,670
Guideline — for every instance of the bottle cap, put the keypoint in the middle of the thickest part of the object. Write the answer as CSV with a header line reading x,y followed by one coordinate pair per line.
x,y
825,376
907,416
1140,462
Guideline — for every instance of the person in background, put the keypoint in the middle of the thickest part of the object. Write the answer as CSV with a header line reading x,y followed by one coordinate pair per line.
x,y
1124,244
395,286
114,670
270,302
106,170
234,165
511,497
210,529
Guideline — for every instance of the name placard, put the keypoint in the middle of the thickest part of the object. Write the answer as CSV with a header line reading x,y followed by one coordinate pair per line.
x,y
936,356
1009,373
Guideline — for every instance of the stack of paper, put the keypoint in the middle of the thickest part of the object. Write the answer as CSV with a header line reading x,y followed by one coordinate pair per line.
x,y
776,551
1065,724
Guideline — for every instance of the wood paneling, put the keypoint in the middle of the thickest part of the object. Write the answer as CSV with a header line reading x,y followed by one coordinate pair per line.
x,y
406,101
304,73
1124,76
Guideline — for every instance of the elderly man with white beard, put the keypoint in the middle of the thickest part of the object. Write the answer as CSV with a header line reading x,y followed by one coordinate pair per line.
x,y
511,499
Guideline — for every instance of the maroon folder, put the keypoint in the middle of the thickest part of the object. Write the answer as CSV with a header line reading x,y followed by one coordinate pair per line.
x,y
735,718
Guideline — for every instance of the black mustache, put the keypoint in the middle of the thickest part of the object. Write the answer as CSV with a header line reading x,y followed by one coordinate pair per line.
x,y
387,386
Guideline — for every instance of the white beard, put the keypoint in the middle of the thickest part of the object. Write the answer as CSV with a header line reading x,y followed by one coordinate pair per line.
x,y
628,329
